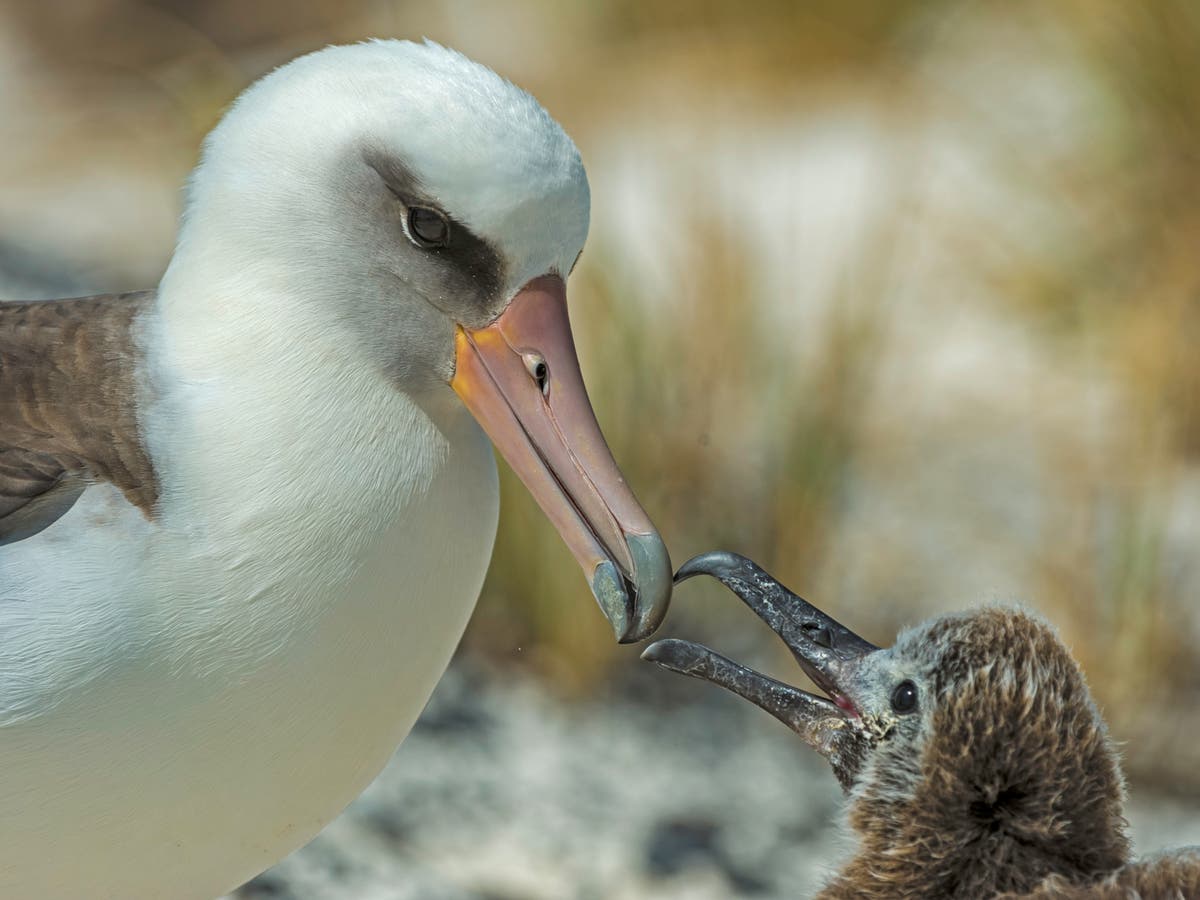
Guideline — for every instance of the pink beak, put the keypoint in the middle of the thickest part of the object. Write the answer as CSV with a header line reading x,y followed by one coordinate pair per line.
x,y
520,378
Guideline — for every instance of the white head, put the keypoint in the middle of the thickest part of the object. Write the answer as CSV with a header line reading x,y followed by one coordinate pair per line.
x,y
307,184
400,210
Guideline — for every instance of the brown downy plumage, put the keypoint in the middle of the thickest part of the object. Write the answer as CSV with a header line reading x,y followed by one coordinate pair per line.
x,y
975,762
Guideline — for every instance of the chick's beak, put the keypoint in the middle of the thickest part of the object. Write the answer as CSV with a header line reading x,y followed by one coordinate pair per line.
x,y
519,376
826,650
822,646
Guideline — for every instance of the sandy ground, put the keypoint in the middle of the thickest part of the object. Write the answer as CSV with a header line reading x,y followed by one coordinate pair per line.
x,y
505,793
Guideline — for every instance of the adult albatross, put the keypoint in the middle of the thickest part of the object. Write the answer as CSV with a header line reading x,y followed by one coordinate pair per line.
x,y
246,517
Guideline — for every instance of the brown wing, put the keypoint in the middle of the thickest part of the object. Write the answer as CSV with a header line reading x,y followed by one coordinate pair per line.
x,y
68,408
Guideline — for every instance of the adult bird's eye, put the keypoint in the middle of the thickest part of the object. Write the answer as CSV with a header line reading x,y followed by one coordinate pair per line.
x,y
904,697
427,227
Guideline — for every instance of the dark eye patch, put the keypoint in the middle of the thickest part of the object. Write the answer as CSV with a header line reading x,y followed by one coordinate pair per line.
x,y
465,265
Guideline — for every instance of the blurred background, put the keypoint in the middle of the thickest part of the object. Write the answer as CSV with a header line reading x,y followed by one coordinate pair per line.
x,y
900,299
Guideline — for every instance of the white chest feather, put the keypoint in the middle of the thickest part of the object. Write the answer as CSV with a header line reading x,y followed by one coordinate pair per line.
x,y
197,696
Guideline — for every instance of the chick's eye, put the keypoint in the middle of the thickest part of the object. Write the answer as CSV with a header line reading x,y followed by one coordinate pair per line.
x,y
904,697
428,227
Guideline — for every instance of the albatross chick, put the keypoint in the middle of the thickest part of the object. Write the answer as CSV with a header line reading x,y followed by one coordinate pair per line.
x,y
975,762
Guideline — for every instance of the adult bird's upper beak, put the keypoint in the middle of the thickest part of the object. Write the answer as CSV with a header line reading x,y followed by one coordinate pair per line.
x,y
827,651
520,378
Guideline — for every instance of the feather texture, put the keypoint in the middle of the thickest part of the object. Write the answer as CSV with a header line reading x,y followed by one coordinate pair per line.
x,y
68,408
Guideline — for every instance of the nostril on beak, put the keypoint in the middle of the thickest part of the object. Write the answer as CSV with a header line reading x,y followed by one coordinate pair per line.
x,y
820,635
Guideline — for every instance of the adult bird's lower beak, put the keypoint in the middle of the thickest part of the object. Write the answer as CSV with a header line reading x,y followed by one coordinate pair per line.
x,y
520,378
826,650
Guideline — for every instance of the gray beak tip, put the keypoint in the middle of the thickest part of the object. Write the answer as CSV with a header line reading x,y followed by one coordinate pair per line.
x,y
657,652
609,590
652,568
675,655
634,618
714,563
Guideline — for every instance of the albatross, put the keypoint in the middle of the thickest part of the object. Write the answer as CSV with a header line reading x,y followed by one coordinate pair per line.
x,y
245,517
974,760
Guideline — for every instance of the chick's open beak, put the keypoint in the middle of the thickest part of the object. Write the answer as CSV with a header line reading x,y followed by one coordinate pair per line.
x,y
824,648
520,378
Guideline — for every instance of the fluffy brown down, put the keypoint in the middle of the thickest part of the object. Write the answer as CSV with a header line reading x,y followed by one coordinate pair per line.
x,y
1172,876
1012,781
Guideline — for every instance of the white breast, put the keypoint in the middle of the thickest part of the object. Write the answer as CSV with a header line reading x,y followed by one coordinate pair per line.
x,y
190,700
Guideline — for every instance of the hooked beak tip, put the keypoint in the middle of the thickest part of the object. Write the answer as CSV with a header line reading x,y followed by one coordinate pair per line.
x,y
714,563
652,566
635,610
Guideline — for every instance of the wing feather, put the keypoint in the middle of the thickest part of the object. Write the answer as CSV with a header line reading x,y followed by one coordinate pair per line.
x,y
69,396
